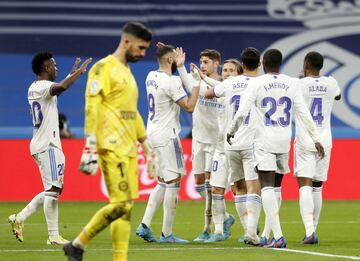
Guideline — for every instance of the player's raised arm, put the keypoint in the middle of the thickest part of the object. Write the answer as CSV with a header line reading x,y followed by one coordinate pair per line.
x,y
188,103
186,79
58,88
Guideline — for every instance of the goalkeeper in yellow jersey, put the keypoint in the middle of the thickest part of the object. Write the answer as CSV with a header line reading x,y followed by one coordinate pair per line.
x,y
112,127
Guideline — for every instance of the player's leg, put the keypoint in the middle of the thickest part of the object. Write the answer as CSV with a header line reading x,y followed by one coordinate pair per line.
x,y
116,175
52,165
218,182
155,199
237,177
267,167
304,171
198,166
17,220
253,201
172,168
198,169
322,168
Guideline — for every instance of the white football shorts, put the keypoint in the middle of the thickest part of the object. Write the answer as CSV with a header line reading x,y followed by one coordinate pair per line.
x,y
51,163
220,171
242,165
202,155
170,160
307,164
267,161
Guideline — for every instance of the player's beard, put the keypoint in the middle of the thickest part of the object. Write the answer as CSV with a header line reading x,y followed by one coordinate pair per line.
x,y
131,58
173,67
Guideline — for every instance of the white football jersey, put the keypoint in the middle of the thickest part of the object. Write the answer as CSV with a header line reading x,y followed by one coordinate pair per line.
x,y
319,94
43,107
205,128
275,96
163,91
232,89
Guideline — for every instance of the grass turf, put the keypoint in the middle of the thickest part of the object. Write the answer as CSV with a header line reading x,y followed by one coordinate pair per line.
x,y
339,234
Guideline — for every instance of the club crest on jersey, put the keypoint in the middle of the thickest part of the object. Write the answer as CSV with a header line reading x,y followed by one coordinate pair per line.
x,y
329,28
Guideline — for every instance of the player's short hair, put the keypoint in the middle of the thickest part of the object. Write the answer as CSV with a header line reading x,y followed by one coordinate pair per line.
x,y
250,57
163,50
138,30
236,63
38,61
315,60
273,59
212,54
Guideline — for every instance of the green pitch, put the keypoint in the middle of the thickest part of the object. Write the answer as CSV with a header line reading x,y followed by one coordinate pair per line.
x,y
339,235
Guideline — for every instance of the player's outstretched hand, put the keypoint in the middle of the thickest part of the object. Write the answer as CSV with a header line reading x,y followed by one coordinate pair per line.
x,y
194,68
160,44
85,65
76,64
320,150
180,56
89,159
229,137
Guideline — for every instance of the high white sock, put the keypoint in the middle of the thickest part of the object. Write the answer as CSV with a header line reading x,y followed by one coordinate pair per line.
x,y
307,209
317,199
253,206
278,196
240,205
201,190
51,212
170,200
31,208
266,231
155,199
218,212
208,204
271,210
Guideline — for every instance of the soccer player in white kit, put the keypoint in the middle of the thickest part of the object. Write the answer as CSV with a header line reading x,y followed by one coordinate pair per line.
x,y
240,153
204,133
311,171
45,146
166,96
220,167
275,96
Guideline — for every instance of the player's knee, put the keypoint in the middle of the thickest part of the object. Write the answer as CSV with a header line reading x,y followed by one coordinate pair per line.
x,y
120,210
278,179
217,190
199,179
55,189
317,184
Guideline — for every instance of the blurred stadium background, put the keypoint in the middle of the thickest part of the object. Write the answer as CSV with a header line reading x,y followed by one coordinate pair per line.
x,y
70,28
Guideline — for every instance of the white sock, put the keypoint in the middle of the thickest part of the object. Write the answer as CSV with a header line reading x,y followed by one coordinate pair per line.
x,y
307,209
317,199
155,199
170,200
266,231
51,212
240,205
201,190
208,204
31,208
278,196
218,212
253,206
271,210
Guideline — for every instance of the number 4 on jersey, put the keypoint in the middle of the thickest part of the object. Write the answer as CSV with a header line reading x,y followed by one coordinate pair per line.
x,y
316,111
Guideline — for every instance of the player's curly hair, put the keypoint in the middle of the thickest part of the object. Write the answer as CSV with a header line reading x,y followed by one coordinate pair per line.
x,y
38,61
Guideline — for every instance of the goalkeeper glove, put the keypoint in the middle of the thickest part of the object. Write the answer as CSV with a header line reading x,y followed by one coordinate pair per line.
x,y
89,158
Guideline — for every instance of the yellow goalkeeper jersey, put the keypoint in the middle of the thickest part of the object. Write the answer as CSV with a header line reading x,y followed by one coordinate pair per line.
x,y
111,107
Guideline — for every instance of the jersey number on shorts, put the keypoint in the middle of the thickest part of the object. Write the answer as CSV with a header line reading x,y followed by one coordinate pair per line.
x,y
36,114
151,102
316,111
235,100
215,165
270,102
